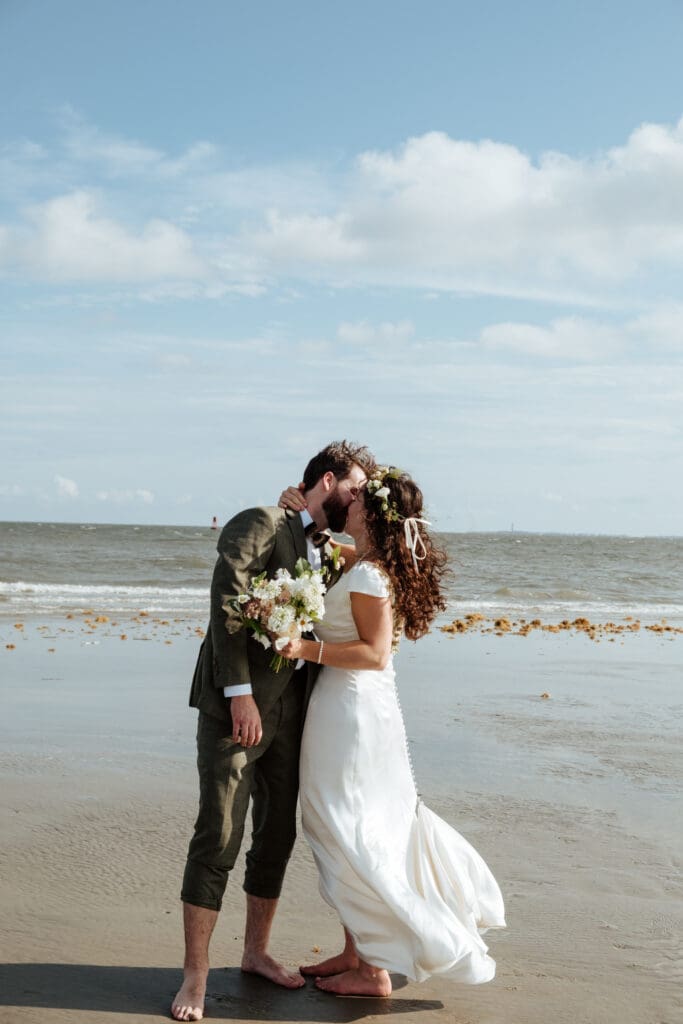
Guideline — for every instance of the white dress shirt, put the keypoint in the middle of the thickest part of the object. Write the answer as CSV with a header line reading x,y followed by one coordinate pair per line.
x,y
315,560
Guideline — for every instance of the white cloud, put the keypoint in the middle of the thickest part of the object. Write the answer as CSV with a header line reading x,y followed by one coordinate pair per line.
x,y
24,149
125,496
571,338
67,238
11,491
435,214
364,333
66,488
119,157
299,244
451,214
581,339
661,328
290,186
199,290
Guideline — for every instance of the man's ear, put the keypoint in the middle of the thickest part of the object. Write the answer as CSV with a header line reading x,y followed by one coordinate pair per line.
x,y
329,481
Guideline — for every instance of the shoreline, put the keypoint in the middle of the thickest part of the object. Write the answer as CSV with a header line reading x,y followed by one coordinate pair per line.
x,y
149,623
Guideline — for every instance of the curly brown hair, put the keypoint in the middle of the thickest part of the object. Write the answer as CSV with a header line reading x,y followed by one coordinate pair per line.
x,y
417,594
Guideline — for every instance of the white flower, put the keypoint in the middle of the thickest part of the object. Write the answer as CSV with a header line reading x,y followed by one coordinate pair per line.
x,y
262,639
377,488
243,598
269,589
280,619
281,642
297,587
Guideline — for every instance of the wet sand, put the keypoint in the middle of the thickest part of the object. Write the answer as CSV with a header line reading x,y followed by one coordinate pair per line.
x,y
571,798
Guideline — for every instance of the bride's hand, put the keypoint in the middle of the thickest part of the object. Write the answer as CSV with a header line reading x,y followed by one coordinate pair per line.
x,y
293,497
293,650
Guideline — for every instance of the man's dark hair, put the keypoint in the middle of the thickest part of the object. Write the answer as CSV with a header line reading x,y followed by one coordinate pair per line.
x,y
337,457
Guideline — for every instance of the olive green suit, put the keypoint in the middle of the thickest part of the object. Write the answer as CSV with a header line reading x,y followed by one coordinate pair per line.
x,y
255,540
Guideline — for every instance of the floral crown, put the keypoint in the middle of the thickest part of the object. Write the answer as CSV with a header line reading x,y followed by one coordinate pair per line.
x,y
377,489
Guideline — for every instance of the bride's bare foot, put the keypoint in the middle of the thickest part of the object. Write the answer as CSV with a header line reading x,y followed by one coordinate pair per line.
x,y
261,963
189,1003
361,981
345,961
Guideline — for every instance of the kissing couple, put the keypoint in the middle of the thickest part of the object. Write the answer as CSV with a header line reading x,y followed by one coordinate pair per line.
x,y
412,895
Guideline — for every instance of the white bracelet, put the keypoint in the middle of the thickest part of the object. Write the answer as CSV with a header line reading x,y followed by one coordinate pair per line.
x,y
320,652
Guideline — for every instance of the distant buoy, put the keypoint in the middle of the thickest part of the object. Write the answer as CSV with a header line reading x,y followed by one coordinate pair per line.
x,y
214,523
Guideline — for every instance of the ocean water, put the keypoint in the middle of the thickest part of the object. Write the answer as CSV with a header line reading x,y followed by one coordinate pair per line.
x,y
53,568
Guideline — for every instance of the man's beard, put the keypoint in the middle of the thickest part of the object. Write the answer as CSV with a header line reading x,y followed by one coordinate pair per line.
x,y
336,512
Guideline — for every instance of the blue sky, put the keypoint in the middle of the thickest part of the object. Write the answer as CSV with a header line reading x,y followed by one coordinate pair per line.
x,y
230,232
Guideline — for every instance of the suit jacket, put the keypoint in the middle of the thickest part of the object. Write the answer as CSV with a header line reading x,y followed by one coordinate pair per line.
x,y
255,540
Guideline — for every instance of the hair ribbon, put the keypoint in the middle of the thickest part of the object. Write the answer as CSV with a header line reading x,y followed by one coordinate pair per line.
x,y
414,541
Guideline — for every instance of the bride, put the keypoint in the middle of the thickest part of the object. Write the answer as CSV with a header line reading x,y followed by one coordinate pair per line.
x,y
411,893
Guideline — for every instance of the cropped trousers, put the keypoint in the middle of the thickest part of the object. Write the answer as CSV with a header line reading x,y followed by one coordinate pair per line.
x,y
231,775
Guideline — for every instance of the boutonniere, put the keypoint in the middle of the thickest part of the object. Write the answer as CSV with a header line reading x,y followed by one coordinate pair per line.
x,y
336,558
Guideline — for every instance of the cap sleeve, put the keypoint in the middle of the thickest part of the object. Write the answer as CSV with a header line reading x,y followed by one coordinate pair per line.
x,y
369,579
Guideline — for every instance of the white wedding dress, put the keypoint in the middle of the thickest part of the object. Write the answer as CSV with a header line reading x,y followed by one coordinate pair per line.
x,y
411,890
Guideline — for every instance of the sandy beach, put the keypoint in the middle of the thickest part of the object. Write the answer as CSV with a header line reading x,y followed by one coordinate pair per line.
x,y
570,797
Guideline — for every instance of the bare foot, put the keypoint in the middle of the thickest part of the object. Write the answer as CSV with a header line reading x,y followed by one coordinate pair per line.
x,y
345,961
357,982
261,963
189,1003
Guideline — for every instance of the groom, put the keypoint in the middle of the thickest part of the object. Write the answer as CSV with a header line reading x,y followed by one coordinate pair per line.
x,y
249,728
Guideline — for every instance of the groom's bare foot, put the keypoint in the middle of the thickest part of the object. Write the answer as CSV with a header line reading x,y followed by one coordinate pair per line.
x,y
345,961
357,982
189,1003
261,963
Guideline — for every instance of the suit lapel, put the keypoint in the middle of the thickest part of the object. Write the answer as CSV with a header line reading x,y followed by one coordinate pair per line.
x,y
297,530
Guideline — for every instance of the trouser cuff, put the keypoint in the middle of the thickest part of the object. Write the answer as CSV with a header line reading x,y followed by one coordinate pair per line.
x,y
203,886
264,881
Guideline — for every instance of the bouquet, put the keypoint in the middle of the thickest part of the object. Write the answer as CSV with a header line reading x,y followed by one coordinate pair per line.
x,y
281,609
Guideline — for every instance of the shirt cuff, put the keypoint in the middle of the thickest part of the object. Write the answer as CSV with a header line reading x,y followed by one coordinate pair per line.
x,y
239,690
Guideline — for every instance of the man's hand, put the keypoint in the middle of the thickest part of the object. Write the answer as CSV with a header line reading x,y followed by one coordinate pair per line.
x,y
246,721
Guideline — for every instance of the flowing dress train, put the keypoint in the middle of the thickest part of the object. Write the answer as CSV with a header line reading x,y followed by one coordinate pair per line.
x,y
412,892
